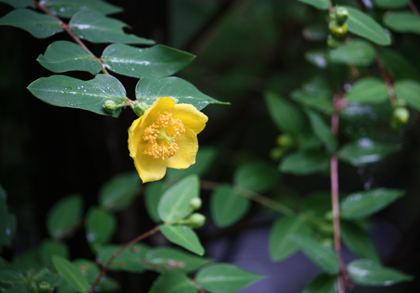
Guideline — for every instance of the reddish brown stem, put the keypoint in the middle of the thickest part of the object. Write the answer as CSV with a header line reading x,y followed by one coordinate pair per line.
x,y
69,31
413,8
387,80
115,254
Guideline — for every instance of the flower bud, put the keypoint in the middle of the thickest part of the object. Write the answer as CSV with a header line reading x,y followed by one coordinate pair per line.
x,y
285,141
276,153
332,42
196,220
401,115
195,203
140,108
341,15
338,31
45,287
109,106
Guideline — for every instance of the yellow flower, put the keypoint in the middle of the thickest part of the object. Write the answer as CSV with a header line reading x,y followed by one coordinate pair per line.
x,y
165,136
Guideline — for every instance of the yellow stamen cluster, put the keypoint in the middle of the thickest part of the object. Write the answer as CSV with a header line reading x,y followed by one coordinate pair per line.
x,y
161,136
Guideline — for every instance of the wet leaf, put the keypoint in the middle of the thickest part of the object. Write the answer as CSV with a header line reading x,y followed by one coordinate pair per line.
x,y
408,91
318,58
391,3
71,274
62,56
365,151
320,4
65,91
157,61
368,90
19,3
183,236
225,278
366,272
305,162
37,24
67,8
357,52
149,89
172,282
403,22
130,260
365,203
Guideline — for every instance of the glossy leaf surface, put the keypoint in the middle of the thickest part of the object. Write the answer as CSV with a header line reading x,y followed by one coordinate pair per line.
x,y
286,116
65,91
157,61
19,3
305,163
7,221
225,278
323,283
357,52
322,130
120,191
365,203
365,151
361,24
409,91
64,216
175,259
37,24
97,28
320,4
175,203
153,193
62,56
365,272
391,3
172,282
403,22
67,8
256,176
368,90
227,206
100,226
183,236
149,89
323,256
71,274
281,244
130,260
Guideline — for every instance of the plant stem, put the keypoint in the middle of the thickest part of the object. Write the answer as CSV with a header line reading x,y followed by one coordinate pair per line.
x,y
115,254
387,80
413,8
69,31
261,199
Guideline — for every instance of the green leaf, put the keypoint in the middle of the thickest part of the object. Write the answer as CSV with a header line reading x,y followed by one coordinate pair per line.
x,y
227,206
8,273
320,4
368,90
130,260
152,195
7,221
281,245
71,274
19,3
62,56
175,203
286,116
365,203
361,24
120,191
317,204
391,3
149,89
322,256
172,282
398,66
256,176
157,61
322,130
365,151
317,57
323,283
100,226
357,52
91,271
37,24
183,236
97,28
403,22
225,278
65,91
49,248
205,157
356,238
366,272
305,163
409,91
320,103
67,8
64,216
175,259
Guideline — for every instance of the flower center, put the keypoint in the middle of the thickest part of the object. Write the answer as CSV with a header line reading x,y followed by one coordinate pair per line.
x,y
161,136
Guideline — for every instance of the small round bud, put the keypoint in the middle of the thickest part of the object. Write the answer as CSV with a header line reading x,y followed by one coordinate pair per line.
x,y
401,115
276,153
45,287
195,203
285,140
140,108
109,106
341,15
196,220
338,31
332,42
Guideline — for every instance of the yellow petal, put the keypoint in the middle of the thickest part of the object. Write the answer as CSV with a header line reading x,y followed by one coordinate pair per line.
x,y
149,169
190,117
185,156
134,136
158,107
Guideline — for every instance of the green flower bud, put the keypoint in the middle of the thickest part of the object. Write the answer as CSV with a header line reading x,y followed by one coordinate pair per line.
x,y
196,220
338,31
195,203
45,287
401,115
341,15
109,106
285,141
332,42
140,108
276,153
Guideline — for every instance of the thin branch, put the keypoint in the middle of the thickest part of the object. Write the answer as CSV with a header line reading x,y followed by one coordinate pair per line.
x,y
413,8
115,254
69,31
387,80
